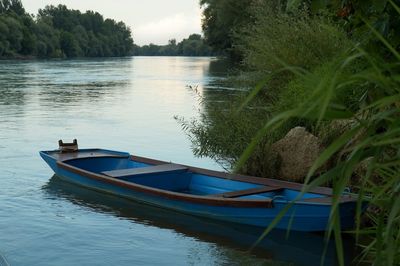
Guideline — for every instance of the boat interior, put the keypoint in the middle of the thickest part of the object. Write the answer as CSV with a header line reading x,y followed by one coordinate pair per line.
x,y
178,178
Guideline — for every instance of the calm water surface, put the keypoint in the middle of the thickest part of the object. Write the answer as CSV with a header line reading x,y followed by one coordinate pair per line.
x,y
123,104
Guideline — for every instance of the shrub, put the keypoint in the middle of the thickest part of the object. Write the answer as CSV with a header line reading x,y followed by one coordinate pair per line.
x,y
299,38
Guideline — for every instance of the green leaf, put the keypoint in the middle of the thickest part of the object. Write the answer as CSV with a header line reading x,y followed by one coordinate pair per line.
x,y
383,40
332,149
396,7
293,5
317,5
270,125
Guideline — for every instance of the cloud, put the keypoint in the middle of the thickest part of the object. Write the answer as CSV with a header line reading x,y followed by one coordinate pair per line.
x,y
177,26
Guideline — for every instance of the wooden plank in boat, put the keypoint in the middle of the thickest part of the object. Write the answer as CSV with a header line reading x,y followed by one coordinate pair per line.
x,y
163,168
83,154
247,192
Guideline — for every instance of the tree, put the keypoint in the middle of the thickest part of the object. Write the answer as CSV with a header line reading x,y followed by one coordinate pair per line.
x,y
69,45
222,18
15,35
17,7
194,45
60,32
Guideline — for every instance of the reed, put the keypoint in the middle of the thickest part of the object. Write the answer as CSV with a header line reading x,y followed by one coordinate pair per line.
x,y
370,145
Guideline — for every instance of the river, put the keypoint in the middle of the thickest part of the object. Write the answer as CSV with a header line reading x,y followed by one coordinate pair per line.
x,y
124,104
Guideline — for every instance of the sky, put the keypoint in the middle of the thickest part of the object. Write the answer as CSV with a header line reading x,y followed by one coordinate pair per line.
x,y
151,21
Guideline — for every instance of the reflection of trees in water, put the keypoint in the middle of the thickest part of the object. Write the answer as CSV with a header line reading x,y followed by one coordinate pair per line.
x,y
231,241
13,88
81,92
215,91
215,133
12,96
84,81
62,82
13,83
219,67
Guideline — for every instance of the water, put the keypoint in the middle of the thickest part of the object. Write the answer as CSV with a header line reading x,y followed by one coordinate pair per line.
x,y
124,104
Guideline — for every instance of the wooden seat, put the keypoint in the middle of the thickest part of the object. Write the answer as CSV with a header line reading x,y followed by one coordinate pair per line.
x,y
247,192
162,168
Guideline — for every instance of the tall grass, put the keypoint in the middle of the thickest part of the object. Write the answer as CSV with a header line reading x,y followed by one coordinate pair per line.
x,y
368,149
298,38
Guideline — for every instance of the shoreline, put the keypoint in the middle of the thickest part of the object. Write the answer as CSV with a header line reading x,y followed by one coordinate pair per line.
x,y
34,58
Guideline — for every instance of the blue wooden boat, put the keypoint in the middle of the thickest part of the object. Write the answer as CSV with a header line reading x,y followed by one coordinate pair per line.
x,y
217,195
299,248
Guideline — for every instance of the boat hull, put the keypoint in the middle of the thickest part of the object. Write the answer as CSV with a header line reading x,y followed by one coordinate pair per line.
x,y
302,216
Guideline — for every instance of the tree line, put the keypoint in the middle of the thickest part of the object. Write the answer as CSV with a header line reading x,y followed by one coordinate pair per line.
x,y
225,21
59,32
194,45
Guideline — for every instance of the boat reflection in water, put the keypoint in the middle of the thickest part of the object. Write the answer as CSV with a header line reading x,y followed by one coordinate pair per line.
x,y
299,248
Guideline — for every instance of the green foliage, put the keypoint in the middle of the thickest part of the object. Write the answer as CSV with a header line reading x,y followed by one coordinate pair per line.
x,y
353,14
194,45
222,18
372,140
328,63
278,31
60,32
87,34
69,45
372,137
11,6
298,39
222,132
12,34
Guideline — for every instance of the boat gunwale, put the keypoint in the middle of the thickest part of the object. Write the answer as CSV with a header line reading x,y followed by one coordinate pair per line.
x,y
241,178
207,199
325,191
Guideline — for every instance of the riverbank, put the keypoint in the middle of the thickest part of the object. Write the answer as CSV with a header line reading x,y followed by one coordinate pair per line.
x,y
336,86
19,57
